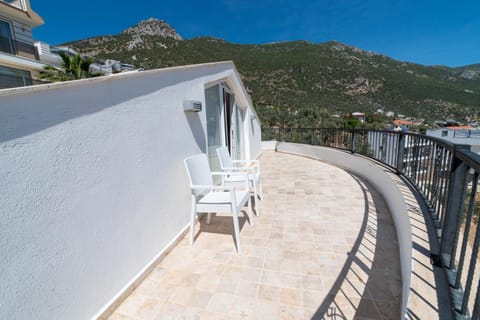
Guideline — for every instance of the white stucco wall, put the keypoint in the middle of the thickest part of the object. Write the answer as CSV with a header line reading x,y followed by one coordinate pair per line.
x,y
93,184
253,129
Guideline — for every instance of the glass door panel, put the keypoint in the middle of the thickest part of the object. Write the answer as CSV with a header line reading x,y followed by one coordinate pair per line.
x,y
214,124
237,152
228,114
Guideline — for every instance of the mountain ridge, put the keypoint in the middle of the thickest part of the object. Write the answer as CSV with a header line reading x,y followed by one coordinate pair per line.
x,y
313,80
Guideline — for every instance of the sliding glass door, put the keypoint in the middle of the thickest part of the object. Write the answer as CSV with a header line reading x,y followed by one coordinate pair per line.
x,y
224,123
213,108
237,133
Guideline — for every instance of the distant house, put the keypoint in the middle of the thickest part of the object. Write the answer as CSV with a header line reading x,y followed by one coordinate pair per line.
x,y
19,62
466,135
359,115
50,55
390,114
401,122
109,67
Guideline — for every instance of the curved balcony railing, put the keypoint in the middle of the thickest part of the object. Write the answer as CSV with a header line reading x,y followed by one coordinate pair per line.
x,y
445,175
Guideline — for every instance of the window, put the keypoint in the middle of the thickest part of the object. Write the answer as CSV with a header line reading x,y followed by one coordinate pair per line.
x,y
11,78
21,4
6,39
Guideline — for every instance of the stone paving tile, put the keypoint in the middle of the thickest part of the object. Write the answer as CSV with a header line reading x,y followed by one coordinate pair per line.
x,y
316,252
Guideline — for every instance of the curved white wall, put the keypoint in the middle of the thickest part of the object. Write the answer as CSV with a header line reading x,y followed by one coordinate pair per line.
x,y
93,185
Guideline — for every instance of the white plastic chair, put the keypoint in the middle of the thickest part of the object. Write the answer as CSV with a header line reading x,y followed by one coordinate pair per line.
x,y
208,198
236,170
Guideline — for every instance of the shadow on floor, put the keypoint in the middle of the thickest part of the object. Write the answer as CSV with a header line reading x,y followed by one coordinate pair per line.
x,y
369,285
424,246
221,224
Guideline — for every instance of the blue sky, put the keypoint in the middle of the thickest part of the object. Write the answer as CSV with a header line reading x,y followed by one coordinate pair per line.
x,y
422,31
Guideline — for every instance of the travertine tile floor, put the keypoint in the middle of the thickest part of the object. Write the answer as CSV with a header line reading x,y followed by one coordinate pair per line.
x,y
324,248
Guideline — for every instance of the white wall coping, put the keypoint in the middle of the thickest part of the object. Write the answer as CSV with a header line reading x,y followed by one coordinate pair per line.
x,y
241,93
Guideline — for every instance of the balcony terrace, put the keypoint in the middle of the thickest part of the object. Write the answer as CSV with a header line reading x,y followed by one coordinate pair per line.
x,y
325,247
95,203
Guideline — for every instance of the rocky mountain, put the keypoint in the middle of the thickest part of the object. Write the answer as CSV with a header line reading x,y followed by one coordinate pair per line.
x,y
153,27
150,27
303,83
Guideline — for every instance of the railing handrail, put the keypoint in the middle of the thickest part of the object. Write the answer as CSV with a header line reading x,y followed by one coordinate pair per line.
x,y
445,143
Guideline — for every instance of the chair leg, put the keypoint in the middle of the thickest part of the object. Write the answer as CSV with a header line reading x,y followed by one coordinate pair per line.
x,y
236,229
209,217
255,197
193,214
249,212
260,194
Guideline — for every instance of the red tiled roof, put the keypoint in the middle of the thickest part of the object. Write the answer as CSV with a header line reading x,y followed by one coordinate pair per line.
x,y
459,127
400,122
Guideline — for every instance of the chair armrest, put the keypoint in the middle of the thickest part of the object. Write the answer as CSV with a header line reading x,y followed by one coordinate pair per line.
x,y
255,162
226,173
219,173
239,169
212,187
218,188
246,161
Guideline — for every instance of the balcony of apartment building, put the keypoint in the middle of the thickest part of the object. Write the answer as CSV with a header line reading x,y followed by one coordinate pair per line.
x,y
19,61
16,23
352,224
323,247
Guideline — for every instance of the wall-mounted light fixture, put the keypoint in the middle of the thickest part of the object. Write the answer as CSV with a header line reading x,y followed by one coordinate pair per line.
x,y
192,105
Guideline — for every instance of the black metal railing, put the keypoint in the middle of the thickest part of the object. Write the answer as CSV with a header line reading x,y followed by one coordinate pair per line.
x,y
446,175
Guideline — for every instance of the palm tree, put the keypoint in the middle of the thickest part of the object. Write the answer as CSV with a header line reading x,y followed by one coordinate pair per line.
x,y
76,66
53,74
73,67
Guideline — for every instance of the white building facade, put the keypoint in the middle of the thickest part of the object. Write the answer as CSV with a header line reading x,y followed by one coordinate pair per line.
x,y
19,61
468,136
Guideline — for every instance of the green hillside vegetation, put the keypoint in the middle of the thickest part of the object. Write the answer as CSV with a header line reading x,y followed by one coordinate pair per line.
x,y
304,84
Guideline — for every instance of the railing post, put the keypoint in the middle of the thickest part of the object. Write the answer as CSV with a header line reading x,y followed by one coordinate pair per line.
x,y
354,141
400,152
454,208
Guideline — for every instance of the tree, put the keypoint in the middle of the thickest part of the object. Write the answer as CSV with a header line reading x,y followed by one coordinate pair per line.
x,y
53,74
73,67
